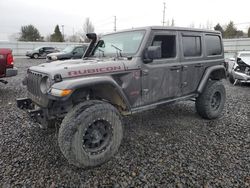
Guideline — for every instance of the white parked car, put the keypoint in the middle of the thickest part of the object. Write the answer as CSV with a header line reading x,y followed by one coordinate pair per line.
x,y
239,67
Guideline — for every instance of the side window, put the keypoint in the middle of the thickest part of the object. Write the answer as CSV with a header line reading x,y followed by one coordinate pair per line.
x,y
167,44
213,45
41,49
191,46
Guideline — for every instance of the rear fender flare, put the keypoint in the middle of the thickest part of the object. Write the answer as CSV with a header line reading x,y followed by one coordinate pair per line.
x,y
217,72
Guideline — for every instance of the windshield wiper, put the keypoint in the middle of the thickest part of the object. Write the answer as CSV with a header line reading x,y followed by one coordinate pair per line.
x,y
118,50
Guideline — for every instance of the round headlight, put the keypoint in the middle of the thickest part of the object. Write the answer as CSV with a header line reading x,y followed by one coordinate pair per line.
x,y
45,84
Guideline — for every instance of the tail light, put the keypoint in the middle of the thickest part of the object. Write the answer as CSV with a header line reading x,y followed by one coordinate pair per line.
x,y
10,60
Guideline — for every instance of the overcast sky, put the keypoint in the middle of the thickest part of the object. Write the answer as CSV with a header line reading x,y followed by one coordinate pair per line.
x,y
45,14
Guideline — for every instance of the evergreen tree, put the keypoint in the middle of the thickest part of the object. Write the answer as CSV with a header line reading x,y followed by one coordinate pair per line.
x,y
219,28
230,31
30,33
239,34
57,35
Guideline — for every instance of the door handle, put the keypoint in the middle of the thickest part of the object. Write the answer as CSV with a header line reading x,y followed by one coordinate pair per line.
x,y
199,65
175,68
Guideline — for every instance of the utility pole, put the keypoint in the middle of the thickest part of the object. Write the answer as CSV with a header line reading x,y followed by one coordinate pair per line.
x,y
114,23
164,8
63,31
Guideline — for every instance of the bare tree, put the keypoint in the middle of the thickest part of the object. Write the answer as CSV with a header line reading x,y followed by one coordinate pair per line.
x,y
75,37
192,25
172,23
88,27
209,25
14,37
48,38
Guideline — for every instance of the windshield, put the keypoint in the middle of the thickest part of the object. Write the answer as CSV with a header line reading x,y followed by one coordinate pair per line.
x,y
125,43
68,49
38,48
244,55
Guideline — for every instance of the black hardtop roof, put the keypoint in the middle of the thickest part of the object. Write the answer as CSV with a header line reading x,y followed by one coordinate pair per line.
x,y
167,28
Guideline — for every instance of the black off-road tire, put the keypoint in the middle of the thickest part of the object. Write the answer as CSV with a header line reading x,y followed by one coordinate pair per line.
x,y
210,103
231,79
76,124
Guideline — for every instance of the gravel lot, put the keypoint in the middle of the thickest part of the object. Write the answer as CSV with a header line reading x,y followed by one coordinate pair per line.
x,y
168,147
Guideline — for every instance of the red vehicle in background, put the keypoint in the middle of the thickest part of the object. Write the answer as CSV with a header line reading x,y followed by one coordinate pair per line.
x,y
7,68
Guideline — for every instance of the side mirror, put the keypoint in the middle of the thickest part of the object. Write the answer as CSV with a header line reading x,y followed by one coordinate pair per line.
x,y
74,52
151,53
101,43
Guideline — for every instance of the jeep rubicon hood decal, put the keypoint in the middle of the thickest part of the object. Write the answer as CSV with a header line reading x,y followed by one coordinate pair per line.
x,y
74,68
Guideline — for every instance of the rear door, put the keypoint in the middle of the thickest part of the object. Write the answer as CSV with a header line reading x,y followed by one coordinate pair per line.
x,y
48,50
161,77
192,61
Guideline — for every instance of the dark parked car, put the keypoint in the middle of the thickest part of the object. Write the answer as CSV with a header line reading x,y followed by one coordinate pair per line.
x,y
70,52
41,52
7,68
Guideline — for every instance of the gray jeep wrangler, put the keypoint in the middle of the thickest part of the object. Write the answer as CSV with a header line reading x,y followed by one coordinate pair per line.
x,y
121,74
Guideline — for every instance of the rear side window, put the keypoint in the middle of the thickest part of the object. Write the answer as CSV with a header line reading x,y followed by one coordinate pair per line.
x,y
191,46
213,45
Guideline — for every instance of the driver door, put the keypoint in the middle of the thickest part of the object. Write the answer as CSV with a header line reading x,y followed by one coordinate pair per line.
x,y
161,78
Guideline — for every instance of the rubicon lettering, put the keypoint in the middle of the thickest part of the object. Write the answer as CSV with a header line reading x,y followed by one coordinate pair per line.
x,y
94,71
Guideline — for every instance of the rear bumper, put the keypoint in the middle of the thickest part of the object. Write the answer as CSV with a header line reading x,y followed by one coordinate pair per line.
x,y
240,76
11,72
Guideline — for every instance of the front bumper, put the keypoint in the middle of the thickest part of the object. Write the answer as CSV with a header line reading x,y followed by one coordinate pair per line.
x,y
240,76
11,72
37,114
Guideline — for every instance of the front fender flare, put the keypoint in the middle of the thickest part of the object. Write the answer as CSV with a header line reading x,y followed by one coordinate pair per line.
x,y
78,83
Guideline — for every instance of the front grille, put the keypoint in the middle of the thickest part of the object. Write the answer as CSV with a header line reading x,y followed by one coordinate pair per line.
x,y
33,86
